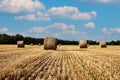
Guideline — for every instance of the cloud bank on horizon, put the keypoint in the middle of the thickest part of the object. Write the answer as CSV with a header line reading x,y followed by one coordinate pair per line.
x,y
66,21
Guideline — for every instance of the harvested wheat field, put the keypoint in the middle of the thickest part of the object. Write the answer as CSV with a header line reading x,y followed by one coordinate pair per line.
x,y
65,63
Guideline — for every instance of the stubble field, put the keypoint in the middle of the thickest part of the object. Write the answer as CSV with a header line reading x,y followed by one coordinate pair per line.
x,y
66,63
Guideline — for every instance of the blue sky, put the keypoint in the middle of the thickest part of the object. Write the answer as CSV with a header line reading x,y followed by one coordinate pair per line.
x,y
63,19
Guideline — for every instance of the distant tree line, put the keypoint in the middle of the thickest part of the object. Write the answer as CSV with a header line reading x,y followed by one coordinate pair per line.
x,y
8,39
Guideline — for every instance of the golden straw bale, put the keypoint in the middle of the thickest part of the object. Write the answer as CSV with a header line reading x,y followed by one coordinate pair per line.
x,y
50,43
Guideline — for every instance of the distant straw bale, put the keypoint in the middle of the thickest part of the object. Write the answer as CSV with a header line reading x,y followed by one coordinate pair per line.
x,y
31,44
88,45
103,44
20,44
39,44
59,44
83,44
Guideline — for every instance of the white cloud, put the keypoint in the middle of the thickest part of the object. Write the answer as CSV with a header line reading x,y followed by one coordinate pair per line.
x,y
71,13
61,26
105,1
62,12
117,30
16,6
34,17
55,30
100,1
90,25
32,7
110,30
36,30
105,30
4,30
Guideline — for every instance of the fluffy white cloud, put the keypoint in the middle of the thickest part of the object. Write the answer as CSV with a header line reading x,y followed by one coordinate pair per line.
x,y
105,30
33,7
71,12
36,30
16,6
117,30
55,30
100,1
90,25
61,26
62,12
110,30
4,29
34,17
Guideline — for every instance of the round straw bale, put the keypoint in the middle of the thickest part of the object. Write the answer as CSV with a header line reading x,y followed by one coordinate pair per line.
x,y
50,43
39,44
31,44
59,44
83,44
103,44
88,45
20,44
